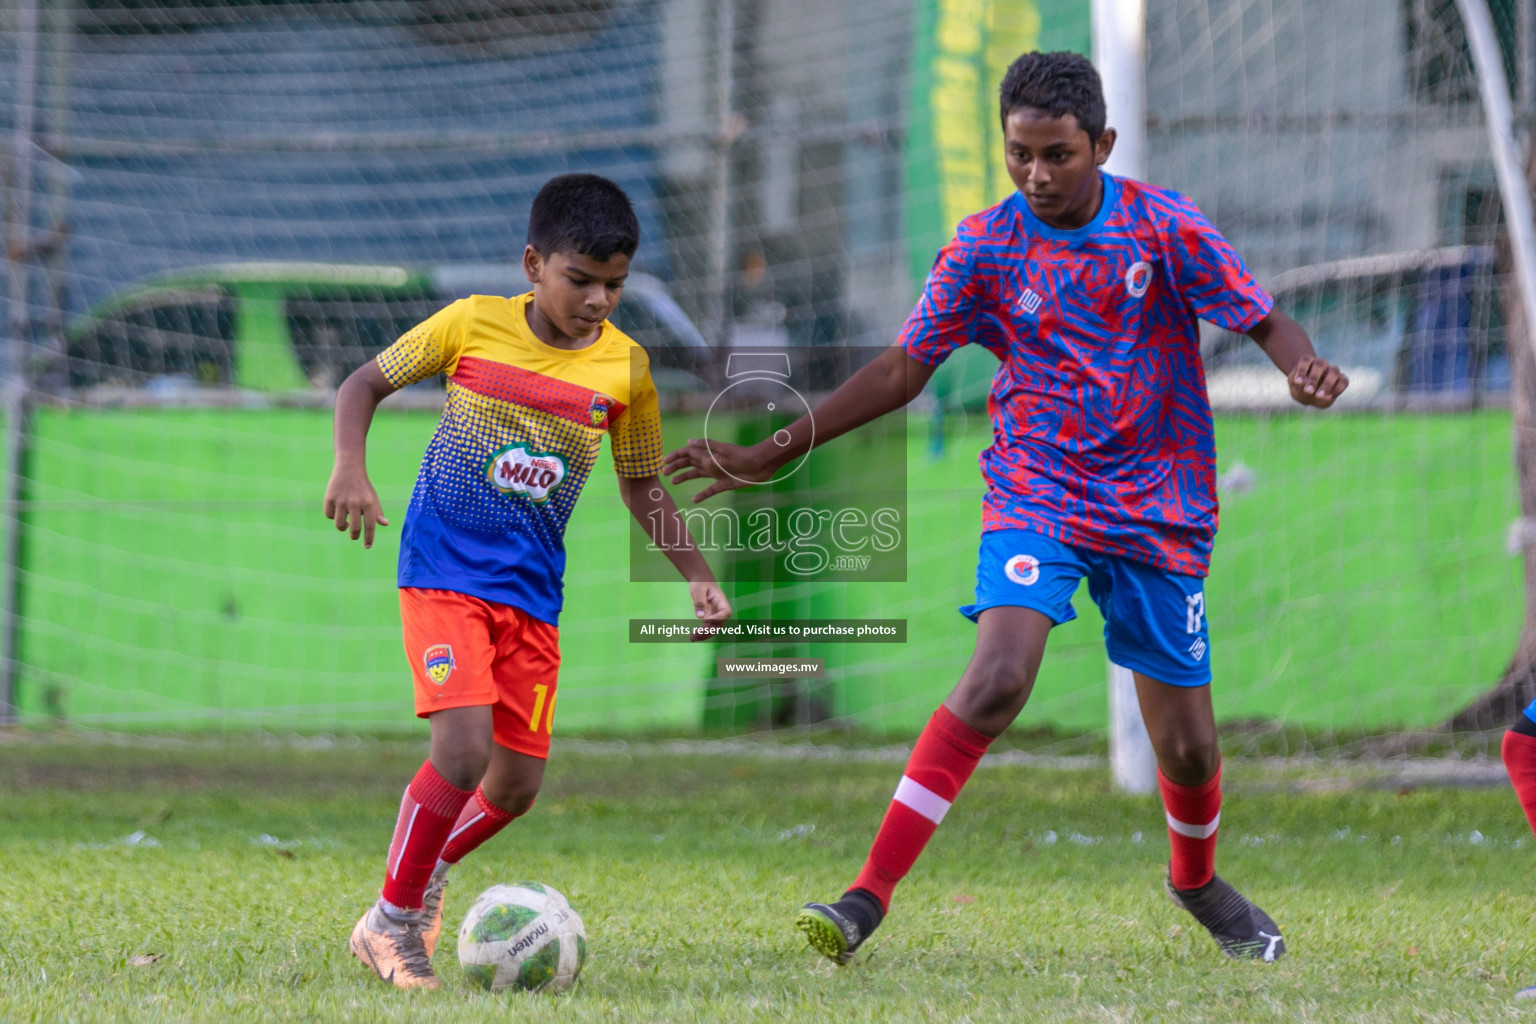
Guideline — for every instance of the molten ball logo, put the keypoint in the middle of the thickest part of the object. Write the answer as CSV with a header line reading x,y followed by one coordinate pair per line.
x,y
1023,569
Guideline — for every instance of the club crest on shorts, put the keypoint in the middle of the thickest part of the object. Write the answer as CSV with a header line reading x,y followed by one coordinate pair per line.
x,y
600,405
439,663
1022,569
1138,278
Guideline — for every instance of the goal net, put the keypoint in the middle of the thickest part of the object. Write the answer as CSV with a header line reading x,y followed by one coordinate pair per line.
x,y
215,210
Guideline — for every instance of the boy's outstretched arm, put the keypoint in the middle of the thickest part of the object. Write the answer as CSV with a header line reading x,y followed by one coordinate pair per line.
x,y
656,512
1313,380
887,383
350,500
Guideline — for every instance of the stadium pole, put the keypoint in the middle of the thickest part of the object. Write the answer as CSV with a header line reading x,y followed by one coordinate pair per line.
x,y
19,202
1119,53
1499,117
13,404
718,299
1525,55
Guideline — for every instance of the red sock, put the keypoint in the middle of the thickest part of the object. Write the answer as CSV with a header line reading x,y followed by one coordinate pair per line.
x,y
945,755
1193,813
427,813
1520,760
479,820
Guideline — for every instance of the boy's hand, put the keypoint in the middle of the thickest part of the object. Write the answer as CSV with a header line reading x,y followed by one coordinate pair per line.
x,y
352,503
729,465
1317,382
710,605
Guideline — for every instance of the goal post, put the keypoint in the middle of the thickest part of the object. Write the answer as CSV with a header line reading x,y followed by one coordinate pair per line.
x,y
1507,165
1119,52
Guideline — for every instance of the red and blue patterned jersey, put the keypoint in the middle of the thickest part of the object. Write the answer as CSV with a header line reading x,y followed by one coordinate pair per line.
x,y
1101,428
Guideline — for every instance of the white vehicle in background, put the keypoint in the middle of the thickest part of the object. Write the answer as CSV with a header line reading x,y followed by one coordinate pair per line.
x,y
1413,329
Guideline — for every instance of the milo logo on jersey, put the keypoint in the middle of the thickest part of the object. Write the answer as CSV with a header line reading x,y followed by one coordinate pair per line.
x,y
516,470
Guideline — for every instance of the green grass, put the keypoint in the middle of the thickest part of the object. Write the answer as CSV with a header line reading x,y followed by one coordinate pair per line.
x,y
1037,900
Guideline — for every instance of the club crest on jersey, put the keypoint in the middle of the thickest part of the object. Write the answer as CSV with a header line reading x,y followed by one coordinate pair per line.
x,y
600,405
1022,569
439,663
516,470
1138,278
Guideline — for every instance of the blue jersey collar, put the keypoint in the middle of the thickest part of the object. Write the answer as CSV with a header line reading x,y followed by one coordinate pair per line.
x,y
1039,227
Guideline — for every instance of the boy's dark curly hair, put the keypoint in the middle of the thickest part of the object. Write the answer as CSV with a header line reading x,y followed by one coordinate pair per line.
x,y
583,213
1058,83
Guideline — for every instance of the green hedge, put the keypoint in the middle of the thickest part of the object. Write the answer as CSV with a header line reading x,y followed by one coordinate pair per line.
x,y
177,571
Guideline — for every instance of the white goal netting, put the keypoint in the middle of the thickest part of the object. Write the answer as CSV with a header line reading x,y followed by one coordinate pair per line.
x,y
216,209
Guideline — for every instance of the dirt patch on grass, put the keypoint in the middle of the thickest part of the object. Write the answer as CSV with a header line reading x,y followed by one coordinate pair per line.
x,y
242,766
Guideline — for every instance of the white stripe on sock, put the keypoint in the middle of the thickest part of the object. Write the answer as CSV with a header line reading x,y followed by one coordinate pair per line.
x,y
405,841
922,800
1184,828
455,833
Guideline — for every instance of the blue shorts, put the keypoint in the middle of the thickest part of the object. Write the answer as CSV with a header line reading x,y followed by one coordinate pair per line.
x,y
1154,620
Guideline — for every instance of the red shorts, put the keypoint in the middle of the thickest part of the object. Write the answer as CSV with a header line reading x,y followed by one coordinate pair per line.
x,y
465,652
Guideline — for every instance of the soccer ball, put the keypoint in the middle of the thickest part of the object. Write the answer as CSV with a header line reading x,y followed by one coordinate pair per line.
x,y
523,936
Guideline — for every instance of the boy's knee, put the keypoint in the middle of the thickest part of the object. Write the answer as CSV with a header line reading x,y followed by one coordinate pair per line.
x,y
461,744
995,686
464,765
1189,761
461,773
516,798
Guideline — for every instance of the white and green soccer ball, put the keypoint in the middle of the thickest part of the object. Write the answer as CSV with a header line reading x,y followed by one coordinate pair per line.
x,y
523,936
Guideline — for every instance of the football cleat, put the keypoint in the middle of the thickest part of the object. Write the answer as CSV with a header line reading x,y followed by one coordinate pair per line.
x,y
1241,929
393,950
829,931
432,908
1526,993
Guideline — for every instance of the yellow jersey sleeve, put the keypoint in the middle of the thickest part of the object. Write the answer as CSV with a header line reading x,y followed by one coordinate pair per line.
x,y
431,347
636,435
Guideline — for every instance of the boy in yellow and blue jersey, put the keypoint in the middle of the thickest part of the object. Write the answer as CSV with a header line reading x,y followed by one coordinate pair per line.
x,y
534,382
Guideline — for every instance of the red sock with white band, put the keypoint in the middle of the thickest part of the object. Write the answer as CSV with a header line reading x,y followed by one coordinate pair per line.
x,y
479,820
1193,813
1519,753
941,762
427,813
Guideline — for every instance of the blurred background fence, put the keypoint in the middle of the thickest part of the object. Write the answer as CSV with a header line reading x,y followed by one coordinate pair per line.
x,y
214,209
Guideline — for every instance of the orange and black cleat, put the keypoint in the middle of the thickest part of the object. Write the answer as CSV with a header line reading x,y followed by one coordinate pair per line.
x,y
393,950
432,909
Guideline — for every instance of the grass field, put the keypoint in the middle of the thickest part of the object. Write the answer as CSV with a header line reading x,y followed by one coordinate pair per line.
x,y
241,865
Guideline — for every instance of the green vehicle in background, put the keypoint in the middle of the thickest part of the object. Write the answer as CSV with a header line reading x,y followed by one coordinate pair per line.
x,y
286,326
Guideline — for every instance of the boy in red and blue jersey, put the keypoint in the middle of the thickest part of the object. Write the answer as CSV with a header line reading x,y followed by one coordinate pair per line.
x,y
1102,466
534,383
